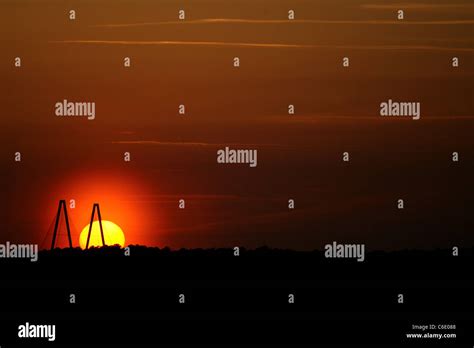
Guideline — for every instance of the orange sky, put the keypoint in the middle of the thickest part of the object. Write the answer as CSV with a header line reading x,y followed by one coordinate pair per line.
x,y
282,63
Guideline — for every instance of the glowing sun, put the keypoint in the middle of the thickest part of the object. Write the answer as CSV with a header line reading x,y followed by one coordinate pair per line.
x,y
113,234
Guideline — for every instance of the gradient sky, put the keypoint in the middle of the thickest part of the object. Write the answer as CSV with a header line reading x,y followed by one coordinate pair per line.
x,y
299,157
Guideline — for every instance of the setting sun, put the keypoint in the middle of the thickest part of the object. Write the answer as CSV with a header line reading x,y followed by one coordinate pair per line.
x,y
113,235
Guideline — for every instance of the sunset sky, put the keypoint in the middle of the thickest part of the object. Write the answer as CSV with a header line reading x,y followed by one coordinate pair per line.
x,y
299,157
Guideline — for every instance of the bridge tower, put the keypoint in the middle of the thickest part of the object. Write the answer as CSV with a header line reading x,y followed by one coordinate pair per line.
x,y
61,207
94,208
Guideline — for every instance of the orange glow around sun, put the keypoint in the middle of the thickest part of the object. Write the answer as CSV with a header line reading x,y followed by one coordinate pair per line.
x,y
113,235
124,207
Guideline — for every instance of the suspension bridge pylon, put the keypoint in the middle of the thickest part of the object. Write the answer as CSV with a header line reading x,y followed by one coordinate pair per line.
x,y
61,207
94,208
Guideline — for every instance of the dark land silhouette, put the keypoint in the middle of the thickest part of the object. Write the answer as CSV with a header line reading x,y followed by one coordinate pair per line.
x,y
262,263
237,299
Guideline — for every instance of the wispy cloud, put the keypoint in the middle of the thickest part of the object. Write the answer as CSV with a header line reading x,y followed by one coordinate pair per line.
x,y
290,22
417,6
267,45
162,143
317,120
265,218
173,198
201,198
190,144
183,43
